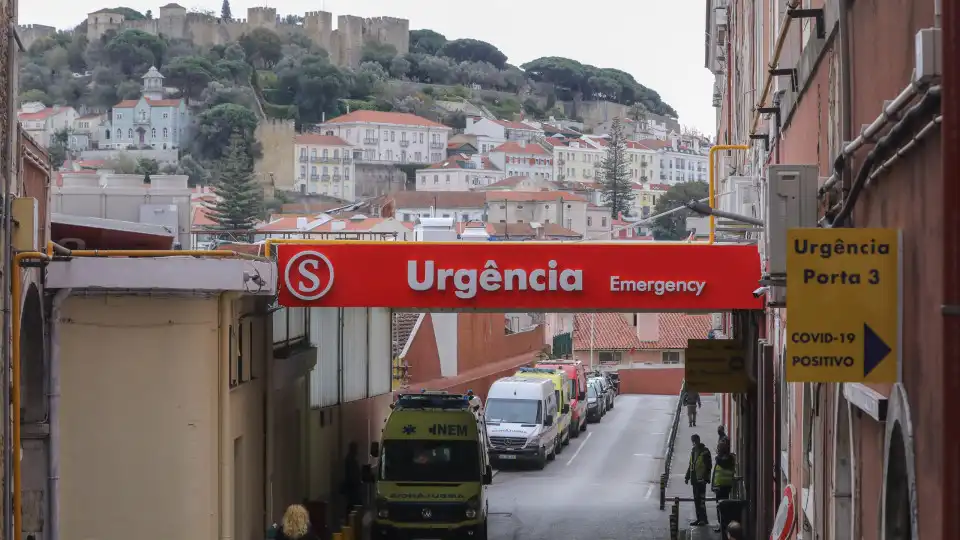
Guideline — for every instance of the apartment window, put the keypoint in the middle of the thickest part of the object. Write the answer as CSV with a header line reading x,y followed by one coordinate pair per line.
x,y
589,221
119,134
670,357
313,170
393,136
166,132
448,181
603,221
348,134
303,171
610,357
166,115
129,133
421,137
418,157
423,180
436,179
153,133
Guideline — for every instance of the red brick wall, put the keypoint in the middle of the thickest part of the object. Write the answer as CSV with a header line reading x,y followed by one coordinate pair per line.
x,y
663,381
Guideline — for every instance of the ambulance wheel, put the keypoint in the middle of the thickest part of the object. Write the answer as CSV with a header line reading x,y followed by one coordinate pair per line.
x,y
482,531
566,440
541,462
576,431
586,422
553,453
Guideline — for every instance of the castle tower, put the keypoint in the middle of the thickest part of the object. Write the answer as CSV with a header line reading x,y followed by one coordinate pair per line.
x,y
153,84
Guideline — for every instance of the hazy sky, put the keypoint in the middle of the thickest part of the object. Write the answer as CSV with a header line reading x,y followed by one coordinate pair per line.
x,y
659,42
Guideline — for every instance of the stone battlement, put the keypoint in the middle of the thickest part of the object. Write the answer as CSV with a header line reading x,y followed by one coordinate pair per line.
x,y
344,43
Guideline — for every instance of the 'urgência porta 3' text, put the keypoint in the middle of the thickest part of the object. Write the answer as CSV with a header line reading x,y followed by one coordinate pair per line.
x,y
841,248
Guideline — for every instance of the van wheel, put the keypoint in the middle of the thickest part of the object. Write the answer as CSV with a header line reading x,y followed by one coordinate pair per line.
x,y
553,453
482,531
541,462
566,441
586,422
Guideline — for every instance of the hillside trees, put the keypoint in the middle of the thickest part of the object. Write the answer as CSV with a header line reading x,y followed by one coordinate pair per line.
x,y
217,125
674,226
426,41
135,51
262,47
240,198
473,50
189,74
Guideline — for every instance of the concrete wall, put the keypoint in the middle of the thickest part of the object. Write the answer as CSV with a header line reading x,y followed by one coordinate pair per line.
x,y
30,33
275,170
660,380
163,157
140,385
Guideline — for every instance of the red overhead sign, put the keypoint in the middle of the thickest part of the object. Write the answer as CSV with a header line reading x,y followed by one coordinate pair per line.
x,y
519,276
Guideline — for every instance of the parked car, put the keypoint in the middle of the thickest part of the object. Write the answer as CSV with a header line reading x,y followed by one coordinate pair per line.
x,y
596,405
614,380
606,391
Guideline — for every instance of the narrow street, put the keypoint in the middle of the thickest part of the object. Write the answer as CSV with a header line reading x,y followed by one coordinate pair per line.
x,y
603,486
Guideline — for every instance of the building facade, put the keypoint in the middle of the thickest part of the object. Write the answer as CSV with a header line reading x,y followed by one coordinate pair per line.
x,y
459,173
390,137
541,207
409,206
325,166
868,461
150,122
42,123
520,158
492,133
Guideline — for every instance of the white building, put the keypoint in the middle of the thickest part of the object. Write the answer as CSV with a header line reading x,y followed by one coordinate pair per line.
x,y
42,122
86,132
492,133
543,207
324,165
459,173
520,158
390,137
151,122
409,206
581,160
683,160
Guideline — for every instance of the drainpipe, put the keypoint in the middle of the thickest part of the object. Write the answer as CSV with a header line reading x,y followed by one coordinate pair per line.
x,y
53,380
225,311
846,100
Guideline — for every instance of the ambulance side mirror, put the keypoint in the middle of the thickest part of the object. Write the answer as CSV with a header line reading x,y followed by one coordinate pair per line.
x,y
366,474
488,476
566,409
375,449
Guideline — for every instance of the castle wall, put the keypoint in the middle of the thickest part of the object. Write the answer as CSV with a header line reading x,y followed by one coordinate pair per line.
x,y
344,43
30,33
275,169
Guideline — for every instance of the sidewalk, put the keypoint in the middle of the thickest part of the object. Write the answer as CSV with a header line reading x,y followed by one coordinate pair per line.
x,y
708,418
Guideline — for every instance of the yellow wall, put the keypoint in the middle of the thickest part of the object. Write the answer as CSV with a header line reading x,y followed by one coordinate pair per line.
x,y
139,424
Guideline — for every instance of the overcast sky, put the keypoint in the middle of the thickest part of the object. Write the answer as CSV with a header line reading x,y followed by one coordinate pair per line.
x,y
659,42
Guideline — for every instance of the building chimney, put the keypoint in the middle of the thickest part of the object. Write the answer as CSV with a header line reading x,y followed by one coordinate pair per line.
x,y
523,143
338,225
301,223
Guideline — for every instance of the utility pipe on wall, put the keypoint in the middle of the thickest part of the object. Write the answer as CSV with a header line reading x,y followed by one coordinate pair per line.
x,y
53,454
225,442
713,182
774,60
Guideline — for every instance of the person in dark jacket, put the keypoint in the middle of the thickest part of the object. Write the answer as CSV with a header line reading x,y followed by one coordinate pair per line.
x,y
296,525
351,489
722,437
734,531
698,475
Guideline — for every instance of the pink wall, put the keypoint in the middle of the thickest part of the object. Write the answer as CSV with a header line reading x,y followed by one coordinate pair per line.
x,y
663,381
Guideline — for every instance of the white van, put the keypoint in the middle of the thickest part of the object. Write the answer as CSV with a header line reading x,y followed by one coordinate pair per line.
x,y
521,416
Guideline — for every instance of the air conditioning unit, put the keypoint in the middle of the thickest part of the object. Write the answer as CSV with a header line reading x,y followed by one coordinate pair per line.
x,y
791,202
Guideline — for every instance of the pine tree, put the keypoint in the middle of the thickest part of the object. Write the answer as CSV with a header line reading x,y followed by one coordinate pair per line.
x,y
239,197
225,11
617,188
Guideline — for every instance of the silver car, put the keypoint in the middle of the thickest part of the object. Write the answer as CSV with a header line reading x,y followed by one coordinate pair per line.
x,y
606,390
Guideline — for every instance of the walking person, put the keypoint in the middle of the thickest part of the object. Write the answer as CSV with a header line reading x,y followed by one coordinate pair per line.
x,y
475,404
724,470
722,437
691,398
296,525
698,474
351,488
734,531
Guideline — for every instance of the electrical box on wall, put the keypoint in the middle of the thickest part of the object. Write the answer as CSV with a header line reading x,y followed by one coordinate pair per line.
x,y
791,201
25,214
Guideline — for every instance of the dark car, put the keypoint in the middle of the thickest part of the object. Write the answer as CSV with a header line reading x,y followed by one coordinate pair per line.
x,y
614,378
607,392
596,406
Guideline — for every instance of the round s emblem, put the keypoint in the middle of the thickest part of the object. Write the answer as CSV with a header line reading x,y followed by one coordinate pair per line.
x,y
308,275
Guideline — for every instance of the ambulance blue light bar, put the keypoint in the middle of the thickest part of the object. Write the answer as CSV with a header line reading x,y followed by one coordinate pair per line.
x,y
547,371
432,400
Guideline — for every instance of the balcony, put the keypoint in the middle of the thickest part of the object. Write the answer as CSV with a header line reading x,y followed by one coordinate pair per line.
x,y
347,159
325,177
303,158
436,145
328,159
314,159
314,177
337,178
404,143
370,140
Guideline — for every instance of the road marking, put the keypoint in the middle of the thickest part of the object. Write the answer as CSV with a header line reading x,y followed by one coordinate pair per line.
x,y
643,455
649,492
577,453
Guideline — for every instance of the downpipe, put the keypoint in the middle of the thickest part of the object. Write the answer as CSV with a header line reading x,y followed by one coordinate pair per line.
x,y
53,380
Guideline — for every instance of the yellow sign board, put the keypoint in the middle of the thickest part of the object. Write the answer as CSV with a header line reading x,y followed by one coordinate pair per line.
x,y
843,305
716,366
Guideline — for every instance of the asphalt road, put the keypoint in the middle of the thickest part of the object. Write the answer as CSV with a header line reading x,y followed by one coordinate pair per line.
x,y
604,486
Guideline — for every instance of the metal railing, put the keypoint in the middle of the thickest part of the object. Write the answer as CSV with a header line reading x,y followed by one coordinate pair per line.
x,y
668,454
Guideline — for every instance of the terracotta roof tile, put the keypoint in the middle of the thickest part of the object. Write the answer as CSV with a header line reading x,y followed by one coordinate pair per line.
x,y
380,117
532,196
440,199
201,217
403,325
509,124
613,331
323,140
460,161
508,182
131,103
514,147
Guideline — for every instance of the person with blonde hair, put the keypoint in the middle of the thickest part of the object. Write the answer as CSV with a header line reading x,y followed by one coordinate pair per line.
x,y
296,525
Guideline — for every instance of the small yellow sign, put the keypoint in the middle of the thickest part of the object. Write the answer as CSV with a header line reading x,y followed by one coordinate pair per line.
x,y
716,366
843,305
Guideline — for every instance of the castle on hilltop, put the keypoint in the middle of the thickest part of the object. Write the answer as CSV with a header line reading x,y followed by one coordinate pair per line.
x,y
344,43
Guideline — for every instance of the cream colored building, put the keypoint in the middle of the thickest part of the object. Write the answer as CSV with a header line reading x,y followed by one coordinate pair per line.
x,y
324,165
42,122
645,197
459,173
565,209
581,160
390,137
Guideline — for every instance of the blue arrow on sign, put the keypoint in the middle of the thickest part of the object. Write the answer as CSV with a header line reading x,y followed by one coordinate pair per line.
x,y
874,350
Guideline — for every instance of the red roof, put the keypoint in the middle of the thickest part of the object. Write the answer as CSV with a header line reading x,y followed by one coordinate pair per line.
x,y
513,147
659,187
201,217
613,331
508,182
39,115
131,103
509,124
460,161
380,117
322,140
553,141
533,196
653,144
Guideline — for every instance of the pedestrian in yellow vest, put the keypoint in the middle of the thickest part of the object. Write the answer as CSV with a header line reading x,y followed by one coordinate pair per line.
x,y
724,470
698,475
